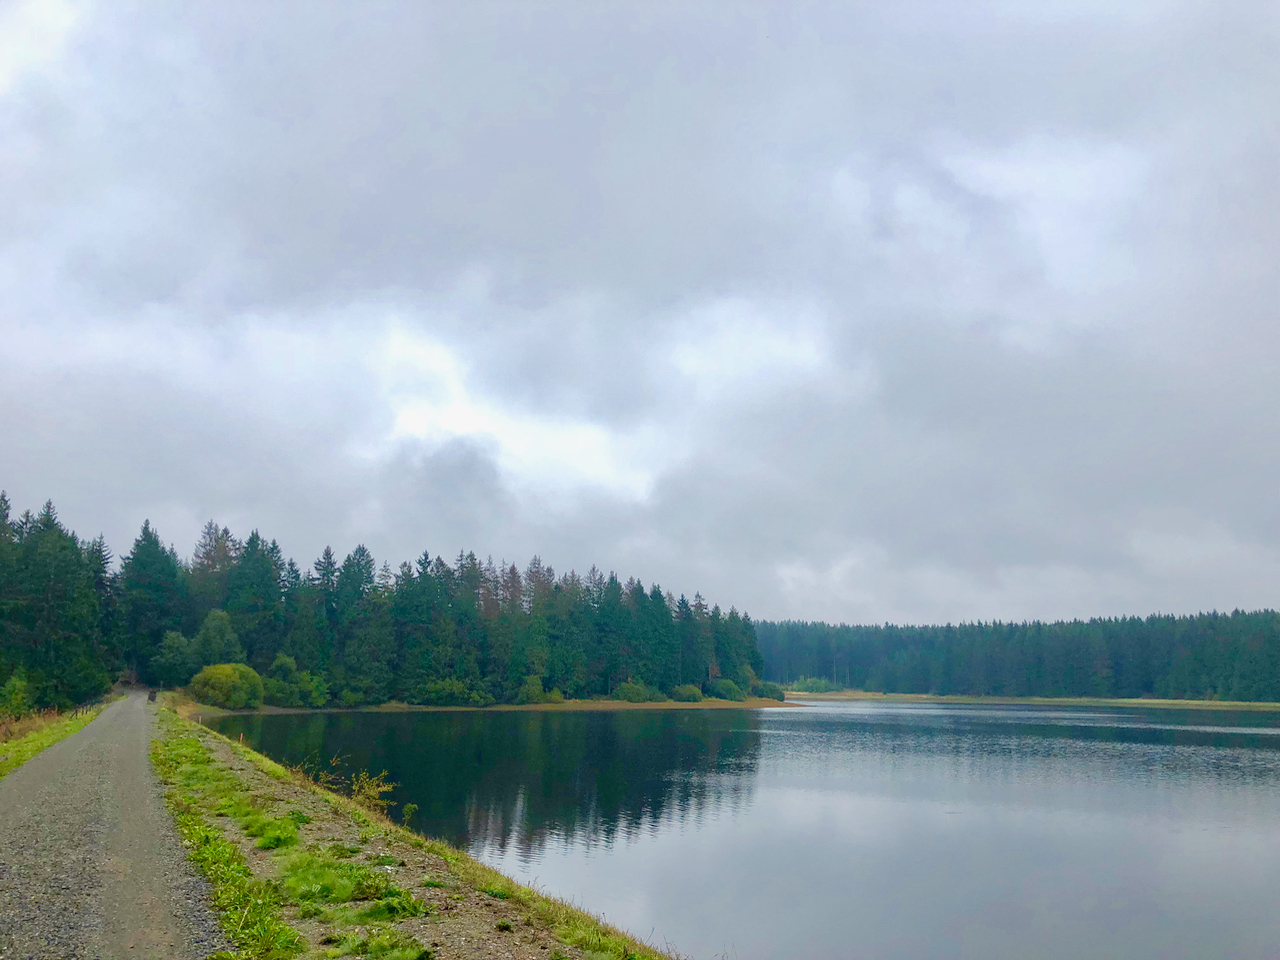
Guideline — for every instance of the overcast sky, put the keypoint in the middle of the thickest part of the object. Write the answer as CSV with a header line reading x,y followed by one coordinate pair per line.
x,y
910,311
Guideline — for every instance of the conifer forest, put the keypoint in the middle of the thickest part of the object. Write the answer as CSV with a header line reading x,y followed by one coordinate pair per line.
x,y
469,632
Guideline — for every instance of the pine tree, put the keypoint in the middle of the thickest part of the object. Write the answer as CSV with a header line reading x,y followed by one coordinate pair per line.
x,y
153,599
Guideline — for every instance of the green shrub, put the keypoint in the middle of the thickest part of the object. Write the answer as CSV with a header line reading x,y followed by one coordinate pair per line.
x,y
555,696
351,698
725,690
633,692
767,690
813,685
286,686
15,696
686,693
233,686
531,691
448,693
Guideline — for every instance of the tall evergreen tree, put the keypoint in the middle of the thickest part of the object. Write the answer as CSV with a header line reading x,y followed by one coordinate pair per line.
x,y
153,599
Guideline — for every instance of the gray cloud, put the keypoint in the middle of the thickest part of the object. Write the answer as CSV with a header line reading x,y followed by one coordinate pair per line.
x,y
918,312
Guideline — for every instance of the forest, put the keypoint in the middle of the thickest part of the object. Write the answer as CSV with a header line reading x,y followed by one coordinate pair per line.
x,y
1212,656
467,632
346,632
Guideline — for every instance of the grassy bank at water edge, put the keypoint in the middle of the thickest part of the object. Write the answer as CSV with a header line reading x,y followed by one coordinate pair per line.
x,y
301,871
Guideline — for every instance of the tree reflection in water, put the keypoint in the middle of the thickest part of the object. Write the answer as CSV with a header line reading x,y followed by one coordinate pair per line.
x,y
491,779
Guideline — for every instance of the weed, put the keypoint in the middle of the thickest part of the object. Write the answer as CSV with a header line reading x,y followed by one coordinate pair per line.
x,y
384,943
298,817
386,860
504,926
272,832
395,905
367,790
341,850
407,813
433,883
496,892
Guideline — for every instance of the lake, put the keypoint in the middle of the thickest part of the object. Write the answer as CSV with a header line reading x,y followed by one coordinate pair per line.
x,y
874,830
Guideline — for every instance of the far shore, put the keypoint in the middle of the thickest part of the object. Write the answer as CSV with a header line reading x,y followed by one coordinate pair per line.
x,y
191,710
865,695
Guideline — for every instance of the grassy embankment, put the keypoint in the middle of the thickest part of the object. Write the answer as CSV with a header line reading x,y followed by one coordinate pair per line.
x,y
30,735
299,870
851,695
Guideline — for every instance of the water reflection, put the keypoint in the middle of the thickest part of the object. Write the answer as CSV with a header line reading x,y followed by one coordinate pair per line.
x,y
488,781
909,831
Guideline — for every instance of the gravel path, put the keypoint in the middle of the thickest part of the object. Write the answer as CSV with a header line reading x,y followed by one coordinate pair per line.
x,y
90,863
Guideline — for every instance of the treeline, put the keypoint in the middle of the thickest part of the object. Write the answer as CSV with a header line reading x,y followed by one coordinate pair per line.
x,y
346,632
1219,656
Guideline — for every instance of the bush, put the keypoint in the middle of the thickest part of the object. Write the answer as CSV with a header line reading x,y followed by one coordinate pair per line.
x,y
351,698
725,690
814,685
233,686
686,693
285,686
448,693
769,691
15,697
531,691
633,692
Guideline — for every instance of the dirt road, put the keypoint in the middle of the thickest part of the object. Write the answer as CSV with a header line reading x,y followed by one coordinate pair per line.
x,y
90,864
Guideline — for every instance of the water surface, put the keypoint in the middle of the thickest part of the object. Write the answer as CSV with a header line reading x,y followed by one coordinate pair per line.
x,y
854,829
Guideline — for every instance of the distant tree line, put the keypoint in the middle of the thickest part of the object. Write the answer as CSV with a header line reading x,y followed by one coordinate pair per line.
x,y
346,632
1220,656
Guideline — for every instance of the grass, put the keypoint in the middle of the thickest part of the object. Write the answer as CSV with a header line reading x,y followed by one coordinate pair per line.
x,y
43,733
316,880
300,871
248,907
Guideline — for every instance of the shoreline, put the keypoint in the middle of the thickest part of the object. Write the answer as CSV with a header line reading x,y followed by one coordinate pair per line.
x,y
966,699
189,709
264,835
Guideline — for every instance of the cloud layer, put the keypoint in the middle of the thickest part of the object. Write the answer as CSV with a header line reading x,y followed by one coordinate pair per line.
x,y
910,313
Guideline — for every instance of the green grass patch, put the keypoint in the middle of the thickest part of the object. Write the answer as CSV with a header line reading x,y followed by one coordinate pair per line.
x,y
248,908
17,752
385,943
330,869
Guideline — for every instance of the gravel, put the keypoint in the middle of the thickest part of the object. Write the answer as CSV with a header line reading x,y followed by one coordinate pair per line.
x,y
90,863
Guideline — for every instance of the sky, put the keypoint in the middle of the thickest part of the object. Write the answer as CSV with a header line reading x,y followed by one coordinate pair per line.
x,y
863,312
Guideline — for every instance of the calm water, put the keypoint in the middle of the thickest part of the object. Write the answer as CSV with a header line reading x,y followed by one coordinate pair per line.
x,y
856,830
